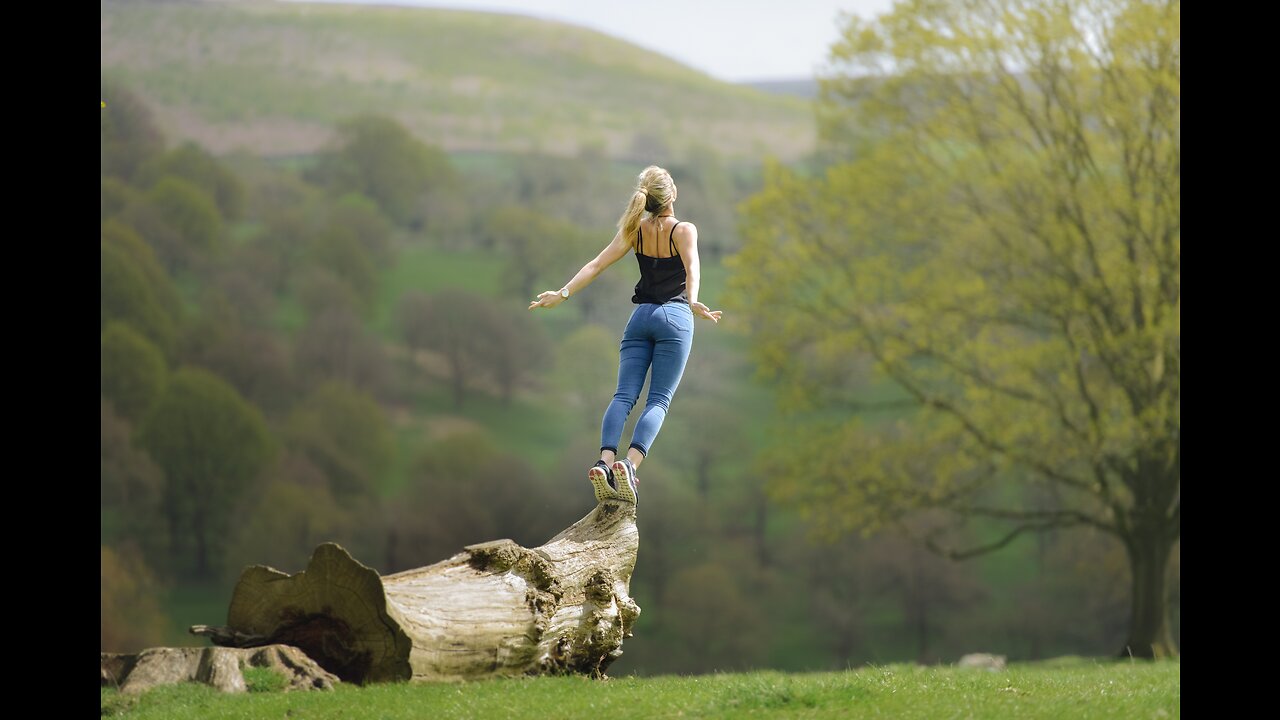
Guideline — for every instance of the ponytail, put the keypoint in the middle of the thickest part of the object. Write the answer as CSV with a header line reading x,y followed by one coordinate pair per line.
x,y
629,223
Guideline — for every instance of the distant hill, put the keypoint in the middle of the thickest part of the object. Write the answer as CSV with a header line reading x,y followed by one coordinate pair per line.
x,y
806,88
274,78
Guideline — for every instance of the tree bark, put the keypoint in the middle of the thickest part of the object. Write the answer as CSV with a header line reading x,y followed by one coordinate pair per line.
x,y
1149,635
494,609
223,668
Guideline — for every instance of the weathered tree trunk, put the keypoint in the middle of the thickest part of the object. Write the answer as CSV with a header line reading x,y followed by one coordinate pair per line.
x,y
222,668
494,609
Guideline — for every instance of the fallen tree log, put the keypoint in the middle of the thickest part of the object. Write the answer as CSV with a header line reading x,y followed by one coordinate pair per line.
x,y
223,668
494,609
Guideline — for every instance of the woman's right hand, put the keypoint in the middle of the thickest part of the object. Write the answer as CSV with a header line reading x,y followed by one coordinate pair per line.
x,y
548,299
702,311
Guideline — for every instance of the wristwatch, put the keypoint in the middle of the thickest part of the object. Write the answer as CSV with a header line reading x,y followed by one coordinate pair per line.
x,y
564,292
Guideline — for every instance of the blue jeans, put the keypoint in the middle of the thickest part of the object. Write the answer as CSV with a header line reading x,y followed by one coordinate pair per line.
x,y
657,336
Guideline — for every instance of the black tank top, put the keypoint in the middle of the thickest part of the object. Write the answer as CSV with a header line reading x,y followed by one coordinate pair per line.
x,y
662,279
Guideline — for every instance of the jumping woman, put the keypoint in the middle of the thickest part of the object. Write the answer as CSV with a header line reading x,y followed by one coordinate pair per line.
x,y
659,334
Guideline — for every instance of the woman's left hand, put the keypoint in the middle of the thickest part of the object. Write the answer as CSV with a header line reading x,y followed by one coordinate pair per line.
x,y
700,310
548,299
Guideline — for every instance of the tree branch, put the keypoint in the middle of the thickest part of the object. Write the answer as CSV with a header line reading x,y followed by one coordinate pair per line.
x,y
954,554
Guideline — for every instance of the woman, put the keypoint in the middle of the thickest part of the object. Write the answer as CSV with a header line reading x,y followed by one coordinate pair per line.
x,y
660,332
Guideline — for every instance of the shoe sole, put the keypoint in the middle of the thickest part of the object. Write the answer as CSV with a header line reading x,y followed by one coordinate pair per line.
x,y
600,481
625,492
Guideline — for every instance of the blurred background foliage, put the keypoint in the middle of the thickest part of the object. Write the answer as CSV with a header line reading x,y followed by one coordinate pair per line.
x,y
316,331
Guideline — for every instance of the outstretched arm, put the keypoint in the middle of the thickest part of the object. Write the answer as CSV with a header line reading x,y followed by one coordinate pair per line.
x,y
686,237
611,254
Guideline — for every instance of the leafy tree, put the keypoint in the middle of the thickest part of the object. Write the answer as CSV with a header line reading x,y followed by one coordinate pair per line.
x,y
338,250
360,217
463,489
320,291
132,492
284,238
534,246
411,312
586,373
999,232
718,627
133,370
254,359
180,222
130,609
212,444
518,349
288,517
130,136
190,162
135,289
377,157
334,345
345,433
456,324
116,195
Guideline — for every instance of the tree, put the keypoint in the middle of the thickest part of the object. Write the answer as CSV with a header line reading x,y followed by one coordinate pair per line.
x,y
338,250
455,324
518,349
133,370
211,445
377,157
192,163
359,216
999,233
586,373
180,221
226,339
287,517
132,492
344,433
460,488
129,133
284,238
116,196
495,609
131,615
336,346
533,244
135,289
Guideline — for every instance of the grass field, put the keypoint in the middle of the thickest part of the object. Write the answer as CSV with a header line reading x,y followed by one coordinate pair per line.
x,y
1075,688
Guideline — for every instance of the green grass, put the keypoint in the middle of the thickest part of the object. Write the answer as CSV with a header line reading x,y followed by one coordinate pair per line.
x,y
264,680
1077,689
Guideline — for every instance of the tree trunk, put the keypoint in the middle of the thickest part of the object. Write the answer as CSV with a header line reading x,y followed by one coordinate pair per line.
x,y
222,668
1149,635
494,609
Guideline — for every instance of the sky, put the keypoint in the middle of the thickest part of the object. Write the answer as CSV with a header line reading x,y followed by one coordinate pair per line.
x,y
732,40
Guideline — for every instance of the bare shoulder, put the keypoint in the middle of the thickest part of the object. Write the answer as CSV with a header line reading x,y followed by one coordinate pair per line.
x,y
685,231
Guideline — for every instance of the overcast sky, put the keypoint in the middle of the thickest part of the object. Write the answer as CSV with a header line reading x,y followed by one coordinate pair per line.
x,y
732,40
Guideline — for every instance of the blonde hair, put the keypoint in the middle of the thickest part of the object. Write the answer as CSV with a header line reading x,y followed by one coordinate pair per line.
x,y
655,191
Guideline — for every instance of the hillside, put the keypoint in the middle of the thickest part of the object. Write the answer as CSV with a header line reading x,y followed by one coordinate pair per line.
x,y
274,78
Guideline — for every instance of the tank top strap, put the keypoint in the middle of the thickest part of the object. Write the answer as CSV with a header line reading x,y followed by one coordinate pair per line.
x,y
671,239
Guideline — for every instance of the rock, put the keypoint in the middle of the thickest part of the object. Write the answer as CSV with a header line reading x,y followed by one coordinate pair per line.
x,y
985,661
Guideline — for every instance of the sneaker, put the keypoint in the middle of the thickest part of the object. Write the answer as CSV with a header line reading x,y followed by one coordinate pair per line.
x,y
624,477
602,480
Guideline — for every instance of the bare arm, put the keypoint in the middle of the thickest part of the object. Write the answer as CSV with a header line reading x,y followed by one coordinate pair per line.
x,y
686,237
611,254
